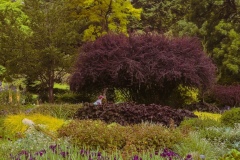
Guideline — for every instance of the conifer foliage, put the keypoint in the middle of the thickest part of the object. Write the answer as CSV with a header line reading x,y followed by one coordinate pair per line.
x,y
149,66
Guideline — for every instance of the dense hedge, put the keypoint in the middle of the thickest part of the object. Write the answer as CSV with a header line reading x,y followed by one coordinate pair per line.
x,y
109,137
130,113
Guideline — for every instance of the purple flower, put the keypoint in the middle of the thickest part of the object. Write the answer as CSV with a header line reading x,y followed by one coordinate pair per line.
x,y
168,153
84,152
188,157
53,148
64,154
151,156
136,158
23,152
40,153
32,158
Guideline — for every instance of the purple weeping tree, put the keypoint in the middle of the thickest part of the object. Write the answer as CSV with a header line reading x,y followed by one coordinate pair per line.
x,y
149,66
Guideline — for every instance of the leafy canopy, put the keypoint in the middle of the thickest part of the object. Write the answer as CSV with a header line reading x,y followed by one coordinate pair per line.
x,y
103,16
14,31
149,66
52,44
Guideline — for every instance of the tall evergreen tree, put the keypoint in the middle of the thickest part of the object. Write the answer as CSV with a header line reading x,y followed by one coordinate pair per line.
x,y
219,28
53,42
159,15
13,33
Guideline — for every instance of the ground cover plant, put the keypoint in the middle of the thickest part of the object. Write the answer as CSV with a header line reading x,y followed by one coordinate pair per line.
x,y
131,113
206,115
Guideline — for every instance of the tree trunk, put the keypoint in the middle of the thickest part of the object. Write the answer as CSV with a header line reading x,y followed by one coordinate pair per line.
x,y
50,86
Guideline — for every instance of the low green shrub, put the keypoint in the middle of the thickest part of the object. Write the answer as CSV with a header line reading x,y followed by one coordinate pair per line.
x,y
196,123
94,134
229,136
114,136
231,117
147,136
197,147
231,155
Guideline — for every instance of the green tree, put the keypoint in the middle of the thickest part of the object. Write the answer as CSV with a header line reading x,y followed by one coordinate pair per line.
x,y
216,22
219,27
227,53
103,16
52,43
159,15
13,33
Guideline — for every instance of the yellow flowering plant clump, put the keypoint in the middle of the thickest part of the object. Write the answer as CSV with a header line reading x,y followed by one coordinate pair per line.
x,y
206,115
13,124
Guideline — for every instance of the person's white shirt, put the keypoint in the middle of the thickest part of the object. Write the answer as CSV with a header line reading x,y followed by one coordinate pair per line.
x,y
99,101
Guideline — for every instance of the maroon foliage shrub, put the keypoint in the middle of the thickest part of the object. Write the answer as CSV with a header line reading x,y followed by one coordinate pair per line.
x,y
149,66
227,95
130,113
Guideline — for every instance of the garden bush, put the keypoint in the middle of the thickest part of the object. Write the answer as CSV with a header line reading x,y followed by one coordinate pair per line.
x,y
226,95
197,147
229,136
231,155
197,123
95,134
150,66
189,95
131,113
129,139
147,136
231,117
